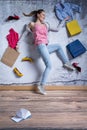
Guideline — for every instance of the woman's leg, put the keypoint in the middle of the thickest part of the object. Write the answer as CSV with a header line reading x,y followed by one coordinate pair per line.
x,y
59,50
43,51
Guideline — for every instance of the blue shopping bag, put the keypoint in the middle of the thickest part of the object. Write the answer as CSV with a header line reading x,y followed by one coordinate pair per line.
x,y
76,48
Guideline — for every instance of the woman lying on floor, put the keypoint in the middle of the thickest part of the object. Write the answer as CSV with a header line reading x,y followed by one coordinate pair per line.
x,y
40,30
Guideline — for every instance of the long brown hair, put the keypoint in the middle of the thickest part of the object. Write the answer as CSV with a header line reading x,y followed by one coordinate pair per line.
x,y
34,13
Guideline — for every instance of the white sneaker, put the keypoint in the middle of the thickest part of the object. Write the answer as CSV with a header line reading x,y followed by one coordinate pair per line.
x,y
41,90
68,66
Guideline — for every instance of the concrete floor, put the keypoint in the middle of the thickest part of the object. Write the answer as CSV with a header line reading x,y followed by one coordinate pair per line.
x,y
8,7
32,73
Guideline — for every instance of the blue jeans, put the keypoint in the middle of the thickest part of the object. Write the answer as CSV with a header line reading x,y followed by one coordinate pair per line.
x,y
44,52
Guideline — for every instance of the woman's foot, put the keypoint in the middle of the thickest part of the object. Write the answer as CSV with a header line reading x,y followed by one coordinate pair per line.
x,y
40,89
68,66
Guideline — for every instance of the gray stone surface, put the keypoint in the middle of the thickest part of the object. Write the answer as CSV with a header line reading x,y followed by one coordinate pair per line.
x,y
32,73
9,7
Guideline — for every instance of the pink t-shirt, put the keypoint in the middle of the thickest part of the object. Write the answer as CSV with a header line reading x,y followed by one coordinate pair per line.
x,y
40,34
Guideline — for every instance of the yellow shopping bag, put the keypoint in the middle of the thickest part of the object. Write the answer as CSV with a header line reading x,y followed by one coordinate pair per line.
x,y
73,27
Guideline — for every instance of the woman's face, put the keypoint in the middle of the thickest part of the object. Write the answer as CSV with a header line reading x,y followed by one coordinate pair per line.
x,y
41,16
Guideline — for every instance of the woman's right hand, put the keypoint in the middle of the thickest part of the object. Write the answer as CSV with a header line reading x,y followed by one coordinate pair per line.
x,y
67,18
